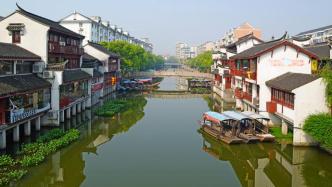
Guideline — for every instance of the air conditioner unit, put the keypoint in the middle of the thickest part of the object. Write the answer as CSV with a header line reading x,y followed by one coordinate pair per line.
x,y
62,43
48,74
37,68
52,115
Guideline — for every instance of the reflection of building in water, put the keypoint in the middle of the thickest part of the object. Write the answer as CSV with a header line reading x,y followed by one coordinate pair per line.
x,y
271,164
66,167
221,105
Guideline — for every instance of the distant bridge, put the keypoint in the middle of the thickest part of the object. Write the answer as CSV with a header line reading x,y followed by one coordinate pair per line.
x,y
176,73
174,96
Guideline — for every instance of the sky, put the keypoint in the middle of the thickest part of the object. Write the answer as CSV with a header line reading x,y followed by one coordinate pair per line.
x,y
166,22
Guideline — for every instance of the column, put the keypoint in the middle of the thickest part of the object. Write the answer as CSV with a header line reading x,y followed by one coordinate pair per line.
x,y
16,133
3,142
79,105
62,116
73,110
38,124
83,105
284,127
27,128
68,114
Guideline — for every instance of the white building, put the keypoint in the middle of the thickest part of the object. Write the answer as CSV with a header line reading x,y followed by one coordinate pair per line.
x,y
60,51
96,30
110,66
182,51
207,46
253,73
319,35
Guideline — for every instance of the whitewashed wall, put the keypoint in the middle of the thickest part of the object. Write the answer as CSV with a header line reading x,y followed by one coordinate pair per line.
x,y
34,39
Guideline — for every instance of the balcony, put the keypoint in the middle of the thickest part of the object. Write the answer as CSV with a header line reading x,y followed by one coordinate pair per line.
x,y
246,74
271,107
247,97
71,50
238,93
71,97
20,114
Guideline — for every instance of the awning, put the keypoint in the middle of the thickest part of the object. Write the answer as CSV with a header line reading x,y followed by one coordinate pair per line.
x,y
255,115
216,117
236,115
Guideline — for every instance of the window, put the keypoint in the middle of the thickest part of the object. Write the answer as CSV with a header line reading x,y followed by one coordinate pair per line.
x,y
23,67
6,67
283,98
16,37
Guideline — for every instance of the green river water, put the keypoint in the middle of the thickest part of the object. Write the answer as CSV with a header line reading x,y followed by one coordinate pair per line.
x,y
157,144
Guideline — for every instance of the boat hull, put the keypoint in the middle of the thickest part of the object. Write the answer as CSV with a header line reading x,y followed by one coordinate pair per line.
x,y
226,139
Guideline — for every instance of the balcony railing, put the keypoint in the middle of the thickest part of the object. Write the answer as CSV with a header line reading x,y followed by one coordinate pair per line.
x,y
68,98
238,93
247,74
20,114
271,107
57,48
247,96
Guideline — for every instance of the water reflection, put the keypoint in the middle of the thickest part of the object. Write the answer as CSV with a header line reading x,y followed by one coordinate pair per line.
x,y
66,167
217,104
272,164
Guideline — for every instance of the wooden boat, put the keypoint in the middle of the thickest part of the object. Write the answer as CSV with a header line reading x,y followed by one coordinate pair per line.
x,y
261,126
220,127
244,126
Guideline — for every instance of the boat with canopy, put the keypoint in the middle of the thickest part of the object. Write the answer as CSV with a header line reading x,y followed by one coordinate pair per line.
x,y
220,127
261,126
244,126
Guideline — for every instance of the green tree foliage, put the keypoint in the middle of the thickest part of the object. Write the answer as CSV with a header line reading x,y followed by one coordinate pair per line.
x,y
326,74
319,126
202,62
134,57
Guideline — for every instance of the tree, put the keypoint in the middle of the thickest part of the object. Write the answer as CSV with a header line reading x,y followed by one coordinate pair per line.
x,y
326,74
202,62
134,57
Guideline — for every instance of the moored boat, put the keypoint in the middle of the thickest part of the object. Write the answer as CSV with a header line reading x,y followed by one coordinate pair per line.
x,y
261,126
244,126
220,127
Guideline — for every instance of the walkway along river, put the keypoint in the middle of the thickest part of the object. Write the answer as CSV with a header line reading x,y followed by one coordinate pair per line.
x,y
157,144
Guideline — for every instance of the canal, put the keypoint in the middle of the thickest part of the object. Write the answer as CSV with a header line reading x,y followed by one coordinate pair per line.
x,y
157,144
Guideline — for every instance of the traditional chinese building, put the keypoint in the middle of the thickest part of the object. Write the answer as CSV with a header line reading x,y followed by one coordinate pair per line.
x,y
24,97
60,51
110,68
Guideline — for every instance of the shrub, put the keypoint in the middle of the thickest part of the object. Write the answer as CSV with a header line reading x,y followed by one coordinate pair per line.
x,y
6,160
32,160
51,135
319,126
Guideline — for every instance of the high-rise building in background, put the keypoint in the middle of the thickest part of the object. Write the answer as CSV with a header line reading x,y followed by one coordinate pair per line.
x,y
207,46
234,34
96,30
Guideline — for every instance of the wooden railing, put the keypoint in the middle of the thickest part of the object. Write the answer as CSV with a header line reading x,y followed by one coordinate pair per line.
x,y
57,48
247,74
247,96
238,93
271,107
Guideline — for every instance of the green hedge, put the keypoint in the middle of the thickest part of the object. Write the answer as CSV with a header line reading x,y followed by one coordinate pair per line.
x,y
32,154
319,126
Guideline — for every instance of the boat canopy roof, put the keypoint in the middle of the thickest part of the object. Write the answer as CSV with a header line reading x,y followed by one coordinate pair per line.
x,y
216,117
255,115
144,80
236,115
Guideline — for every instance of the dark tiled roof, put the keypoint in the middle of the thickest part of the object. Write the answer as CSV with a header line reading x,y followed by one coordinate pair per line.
x,y
290,81
1,18
301,39
315,30
21,83
90,61
255,50
12,51
75,75
247,37
323,51
52,24
97,73
103,49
